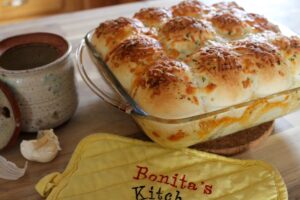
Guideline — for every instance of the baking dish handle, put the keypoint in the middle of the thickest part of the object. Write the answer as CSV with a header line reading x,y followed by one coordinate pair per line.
x,y
114,101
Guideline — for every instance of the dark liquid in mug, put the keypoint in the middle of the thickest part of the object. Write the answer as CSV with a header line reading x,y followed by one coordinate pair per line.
x,y
28,56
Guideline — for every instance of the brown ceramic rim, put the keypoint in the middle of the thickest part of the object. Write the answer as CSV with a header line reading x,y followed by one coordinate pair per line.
x,y
55,40
16,114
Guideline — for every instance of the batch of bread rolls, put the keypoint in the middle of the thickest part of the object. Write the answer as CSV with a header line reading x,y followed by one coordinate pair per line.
x,y
193,58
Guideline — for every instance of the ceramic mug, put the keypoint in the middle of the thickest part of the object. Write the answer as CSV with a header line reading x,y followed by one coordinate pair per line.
x,y
46,94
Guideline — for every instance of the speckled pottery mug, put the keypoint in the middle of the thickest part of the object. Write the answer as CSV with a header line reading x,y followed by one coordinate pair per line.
x,y
38,68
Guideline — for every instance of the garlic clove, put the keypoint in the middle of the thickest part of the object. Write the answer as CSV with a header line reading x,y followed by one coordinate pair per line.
x,y
9,170
43,149
50,135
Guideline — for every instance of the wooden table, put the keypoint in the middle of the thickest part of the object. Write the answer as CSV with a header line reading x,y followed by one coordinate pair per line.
x,y
282,149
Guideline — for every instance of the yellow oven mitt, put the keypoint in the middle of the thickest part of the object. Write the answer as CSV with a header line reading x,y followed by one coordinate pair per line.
x,y
109,167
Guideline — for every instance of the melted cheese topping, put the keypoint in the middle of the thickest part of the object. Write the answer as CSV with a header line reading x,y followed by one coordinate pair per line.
x,y
289,48
132,57
141,50
117,27
166,85
229,25
192,8
249,116
163,74
228,6
264,54
216,69
193,58
260,23
153,17
111,33
267,67
182,36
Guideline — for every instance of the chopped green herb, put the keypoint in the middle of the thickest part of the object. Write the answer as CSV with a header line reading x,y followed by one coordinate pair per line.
x,y
292,59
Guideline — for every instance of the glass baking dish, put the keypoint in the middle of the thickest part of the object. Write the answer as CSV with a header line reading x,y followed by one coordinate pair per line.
x,y
183,132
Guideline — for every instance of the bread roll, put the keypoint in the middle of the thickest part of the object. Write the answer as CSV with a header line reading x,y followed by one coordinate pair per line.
x,y
233,22
229,25
153,17
129,60
220,78
111,33
267,67
289,48
191,8
182,36
260,23
166,89
227,6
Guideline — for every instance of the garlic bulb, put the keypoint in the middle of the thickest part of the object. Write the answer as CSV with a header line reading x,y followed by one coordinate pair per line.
x,y
43,149
9,171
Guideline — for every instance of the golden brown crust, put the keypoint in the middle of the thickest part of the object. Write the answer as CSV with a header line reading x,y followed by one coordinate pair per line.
x,y
192,8
220,62
289,48
287,44
166,89
216,59
115,27
260,23
264,63
138,49
184,35
153,17
295,42
261,54
132,57
257,22
162,74
112,32
230,6
216,69
229,24
178,25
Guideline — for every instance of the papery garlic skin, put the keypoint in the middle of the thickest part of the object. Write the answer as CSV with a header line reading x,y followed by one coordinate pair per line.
x,y
43,149
10,171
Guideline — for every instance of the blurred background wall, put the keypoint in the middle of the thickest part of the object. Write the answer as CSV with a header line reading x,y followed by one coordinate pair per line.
x,y
19,10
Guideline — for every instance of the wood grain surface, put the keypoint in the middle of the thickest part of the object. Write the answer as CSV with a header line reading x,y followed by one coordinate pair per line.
x,y
281,149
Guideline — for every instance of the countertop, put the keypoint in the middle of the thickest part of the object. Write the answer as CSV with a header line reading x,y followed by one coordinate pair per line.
x,y
281,149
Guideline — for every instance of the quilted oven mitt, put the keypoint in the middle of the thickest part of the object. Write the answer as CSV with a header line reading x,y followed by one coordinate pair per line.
x,y
110,167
